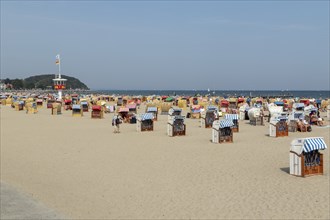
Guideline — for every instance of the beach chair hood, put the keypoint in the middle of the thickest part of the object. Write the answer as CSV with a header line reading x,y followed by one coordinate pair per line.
x,y
212,108
174,109
76,107
231,117
152,109
146,116
224,123
123,110
306,145
96,107
131,106
298,105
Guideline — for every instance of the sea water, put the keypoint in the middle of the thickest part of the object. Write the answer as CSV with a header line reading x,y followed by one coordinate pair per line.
x,y
225,93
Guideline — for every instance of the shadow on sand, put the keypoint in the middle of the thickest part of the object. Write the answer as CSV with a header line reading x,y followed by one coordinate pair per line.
x,y
285,169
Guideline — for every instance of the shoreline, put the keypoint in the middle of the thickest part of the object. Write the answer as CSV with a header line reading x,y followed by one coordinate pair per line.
x,y
323,94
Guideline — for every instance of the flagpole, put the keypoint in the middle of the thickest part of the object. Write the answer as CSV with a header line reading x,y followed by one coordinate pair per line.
x,y
59,67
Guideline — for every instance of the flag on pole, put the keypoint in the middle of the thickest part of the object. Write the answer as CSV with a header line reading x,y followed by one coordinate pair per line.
x,y
57,62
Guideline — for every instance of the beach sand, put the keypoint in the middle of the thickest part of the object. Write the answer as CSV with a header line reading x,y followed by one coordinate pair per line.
x,y
81,169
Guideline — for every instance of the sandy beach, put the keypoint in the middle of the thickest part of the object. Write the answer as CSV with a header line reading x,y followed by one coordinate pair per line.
x,y
81,169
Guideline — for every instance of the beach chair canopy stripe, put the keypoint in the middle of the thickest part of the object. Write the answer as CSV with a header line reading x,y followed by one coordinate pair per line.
x,y
21,102
152,109
84,103
39,100
226,123
231,117
147,116
76,107
67,101
311,144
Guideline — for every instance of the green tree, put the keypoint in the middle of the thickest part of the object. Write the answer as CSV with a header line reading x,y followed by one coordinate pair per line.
x,y
17,84
7,81
28,85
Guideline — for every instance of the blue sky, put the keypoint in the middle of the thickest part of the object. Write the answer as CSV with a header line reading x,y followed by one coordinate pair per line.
x,y
170,45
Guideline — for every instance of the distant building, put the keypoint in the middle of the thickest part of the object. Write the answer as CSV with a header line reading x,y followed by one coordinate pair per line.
x,y
4,86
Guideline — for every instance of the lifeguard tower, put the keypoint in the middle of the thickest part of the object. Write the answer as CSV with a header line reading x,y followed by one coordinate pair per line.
x,y
59,83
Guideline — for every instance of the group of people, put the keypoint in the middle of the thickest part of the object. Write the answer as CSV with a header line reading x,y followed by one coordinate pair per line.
x,y
303,125
316,119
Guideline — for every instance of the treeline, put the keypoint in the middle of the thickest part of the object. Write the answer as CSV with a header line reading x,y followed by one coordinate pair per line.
x,y
42,82
16,84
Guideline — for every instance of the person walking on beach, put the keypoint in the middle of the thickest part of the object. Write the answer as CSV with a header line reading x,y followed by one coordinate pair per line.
x,y
115,123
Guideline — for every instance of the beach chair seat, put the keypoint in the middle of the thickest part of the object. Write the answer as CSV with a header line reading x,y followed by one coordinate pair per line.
x,y
293,126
